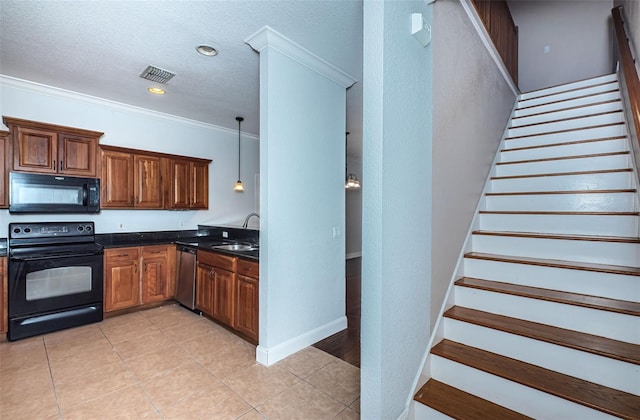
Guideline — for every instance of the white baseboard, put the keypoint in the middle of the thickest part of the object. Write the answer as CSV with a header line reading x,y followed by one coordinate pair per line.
x,y
354,255
269,356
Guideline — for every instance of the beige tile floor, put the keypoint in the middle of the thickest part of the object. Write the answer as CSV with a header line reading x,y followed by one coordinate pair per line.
x,y
167,363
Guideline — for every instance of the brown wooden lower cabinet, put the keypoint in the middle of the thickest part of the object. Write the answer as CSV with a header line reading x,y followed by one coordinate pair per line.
x,y
4,316
227,291
137,275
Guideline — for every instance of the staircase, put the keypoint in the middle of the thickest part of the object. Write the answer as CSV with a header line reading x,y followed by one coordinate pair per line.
x,y
545,321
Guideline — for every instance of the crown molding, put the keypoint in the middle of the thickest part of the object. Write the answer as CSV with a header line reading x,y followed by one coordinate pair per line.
x,y
29,86
269,37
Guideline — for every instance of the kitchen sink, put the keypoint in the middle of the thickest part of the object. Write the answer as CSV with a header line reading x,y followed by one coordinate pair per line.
x,y
236,247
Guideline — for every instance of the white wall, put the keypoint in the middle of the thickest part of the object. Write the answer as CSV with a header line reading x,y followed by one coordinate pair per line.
x,y
577,32
302,198
471,106
396,197
146,130
632,24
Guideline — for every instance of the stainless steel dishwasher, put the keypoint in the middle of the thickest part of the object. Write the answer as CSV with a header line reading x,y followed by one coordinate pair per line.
x,y
186,281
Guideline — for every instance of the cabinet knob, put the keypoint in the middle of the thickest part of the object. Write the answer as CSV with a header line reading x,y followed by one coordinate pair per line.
x,y
54,165
61,165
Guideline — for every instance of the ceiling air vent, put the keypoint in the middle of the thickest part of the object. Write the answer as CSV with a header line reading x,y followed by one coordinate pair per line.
x,y
156,74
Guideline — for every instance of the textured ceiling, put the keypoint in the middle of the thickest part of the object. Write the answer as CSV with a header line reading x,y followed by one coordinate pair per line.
x,y
100,48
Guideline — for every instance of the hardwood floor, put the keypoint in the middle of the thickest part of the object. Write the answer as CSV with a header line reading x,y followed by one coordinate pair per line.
x,y
346,344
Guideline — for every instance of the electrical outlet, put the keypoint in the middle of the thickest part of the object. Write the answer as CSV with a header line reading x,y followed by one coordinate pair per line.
x,y
121,226
337,232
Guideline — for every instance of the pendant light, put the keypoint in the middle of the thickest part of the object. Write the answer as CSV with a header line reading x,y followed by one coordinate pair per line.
x,y
351,183
239,187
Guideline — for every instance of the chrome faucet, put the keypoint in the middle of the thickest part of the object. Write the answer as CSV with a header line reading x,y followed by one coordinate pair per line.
x,y
246,220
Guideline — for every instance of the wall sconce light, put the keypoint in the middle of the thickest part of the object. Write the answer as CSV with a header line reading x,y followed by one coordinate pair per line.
x,y
239,187
352,182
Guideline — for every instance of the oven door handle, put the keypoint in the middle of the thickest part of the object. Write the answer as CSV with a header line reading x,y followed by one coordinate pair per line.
x,y
48,257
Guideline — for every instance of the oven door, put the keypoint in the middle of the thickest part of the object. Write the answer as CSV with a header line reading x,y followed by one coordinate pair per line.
x,y
51,293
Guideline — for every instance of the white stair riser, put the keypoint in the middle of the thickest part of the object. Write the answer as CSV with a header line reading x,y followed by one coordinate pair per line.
x,y
597,252
608,202
597,163
577,149
538,100
591,321
574,85
602,370
615,130
423,412
608,285
512,395
611,118
597,181
596,108
555,223
559,106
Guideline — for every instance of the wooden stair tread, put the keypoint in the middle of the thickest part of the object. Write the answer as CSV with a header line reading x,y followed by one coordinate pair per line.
x,y
519,108
572,265
589,394
626,190
565,143
601,171
597,114
591,238
461,405
566,130
590,343
562,213
562,91
568,108
591,155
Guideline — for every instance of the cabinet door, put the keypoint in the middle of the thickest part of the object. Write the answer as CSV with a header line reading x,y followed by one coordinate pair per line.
x,y
246,310
204,288
35,150
180,192
158,273
223,295
199,193
77,155
4,316
117,179
4,169
148,181
121,279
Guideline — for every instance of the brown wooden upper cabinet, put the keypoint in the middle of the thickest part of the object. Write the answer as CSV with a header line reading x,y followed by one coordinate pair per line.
x,y
53,149
189,184
4,169
147,180
131,180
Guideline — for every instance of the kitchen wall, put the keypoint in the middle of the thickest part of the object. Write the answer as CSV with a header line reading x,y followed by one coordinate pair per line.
x,y
578,35
138,128
632,17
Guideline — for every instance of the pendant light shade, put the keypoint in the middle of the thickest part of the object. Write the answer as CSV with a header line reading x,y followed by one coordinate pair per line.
x,y
239,187
352,182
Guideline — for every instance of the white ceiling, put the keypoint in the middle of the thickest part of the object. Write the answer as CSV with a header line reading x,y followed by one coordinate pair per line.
x,y
100,48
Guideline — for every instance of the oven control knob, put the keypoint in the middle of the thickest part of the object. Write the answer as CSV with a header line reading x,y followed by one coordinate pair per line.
x,y
88,228
27,230
80,228
16,230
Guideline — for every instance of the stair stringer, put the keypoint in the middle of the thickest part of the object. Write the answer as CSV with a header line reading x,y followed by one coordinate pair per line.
x,y
437,334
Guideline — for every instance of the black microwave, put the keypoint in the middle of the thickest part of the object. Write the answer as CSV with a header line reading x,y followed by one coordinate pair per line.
x,y
36,193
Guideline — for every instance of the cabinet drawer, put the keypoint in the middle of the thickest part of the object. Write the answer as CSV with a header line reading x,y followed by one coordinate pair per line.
x,y
151,251
217,260
248,268
122,254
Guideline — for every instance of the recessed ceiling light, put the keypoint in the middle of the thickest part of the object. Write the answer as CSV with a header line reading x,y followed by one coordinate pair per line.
x,y
207,50
156,91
